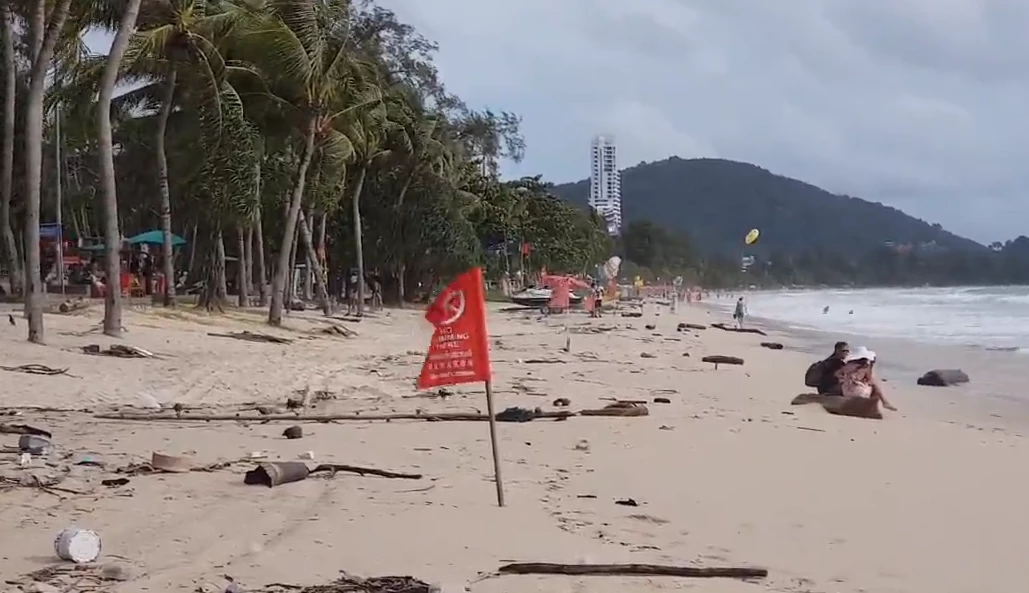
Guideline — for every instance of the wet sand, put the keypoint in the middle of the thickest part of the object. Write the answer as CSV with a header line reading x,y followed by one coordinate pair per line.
x,y
728,473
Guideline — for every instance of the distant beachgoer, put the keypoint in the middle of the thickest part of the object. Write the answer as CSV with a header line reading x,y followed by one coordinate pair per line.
x,y
353,289
857,377
825,309
740,313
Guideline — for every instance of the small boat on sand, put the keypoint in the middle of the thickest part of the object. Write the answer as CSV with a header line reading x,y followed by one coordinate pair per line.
x,y
539,297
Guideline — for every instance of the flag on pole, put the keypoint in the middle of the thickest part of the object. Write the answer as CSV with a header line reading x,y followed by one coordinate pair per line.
x,y
459,350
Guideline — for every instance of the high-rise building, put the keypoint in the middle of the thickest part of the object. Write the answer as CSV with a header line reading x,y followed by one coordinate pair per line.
x,y
606,183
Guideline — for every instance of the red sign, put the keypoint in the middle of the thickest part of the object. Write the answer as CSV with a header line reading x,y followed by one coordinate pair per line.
x,y
459,351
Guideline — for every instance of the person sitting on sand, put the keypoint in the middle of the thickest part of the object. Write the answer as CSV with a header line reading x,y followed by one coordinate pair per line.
x,y
857,377
828,383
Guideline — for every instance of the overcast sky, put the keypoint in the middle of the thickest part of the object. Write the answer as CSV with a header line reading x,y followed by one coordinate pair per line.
x,y
919,104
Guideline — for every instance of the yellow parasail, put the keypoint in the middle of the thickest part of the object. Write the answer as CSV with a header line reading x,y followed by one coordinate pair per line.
x,y
752,236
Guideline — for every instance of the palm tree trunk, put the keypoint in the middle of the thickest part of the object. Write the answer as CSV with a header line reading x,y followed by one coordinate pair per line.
x,y
221,282
262,274
11,258
291,281
284,264
105,146
248,257
358,242
46,41
241,268
316,272
399,217
309,269
167,250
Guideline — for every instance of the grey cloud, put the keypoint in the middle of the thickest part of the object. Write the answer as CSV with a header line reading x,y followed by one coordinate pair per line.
x,y
918,104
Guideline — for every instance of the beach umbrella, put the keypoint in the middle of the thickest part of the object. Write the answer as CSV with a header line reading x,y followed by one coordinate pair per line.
x,y
155,237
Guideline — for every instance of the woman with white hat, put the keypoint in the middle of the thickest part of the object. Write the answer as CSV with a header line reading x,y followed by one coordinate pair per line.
x,y
857,377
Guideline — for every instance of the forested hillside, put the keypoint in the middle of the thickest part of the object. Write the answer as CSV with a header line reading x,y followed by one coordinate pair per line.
x,y
715,202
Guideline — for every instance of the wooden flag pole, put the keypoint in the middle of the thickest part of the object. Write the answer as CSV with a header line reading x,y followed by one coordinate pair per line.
x,y
493,443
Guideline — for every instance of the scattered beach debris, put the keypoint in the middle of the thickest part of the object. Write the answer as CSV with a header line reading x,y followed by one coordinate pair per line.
x,y
539,568
293,432
34,369
627,502
662,400
772,345
114,482
76,545
647,355
632,314
544,361
276,473
438,417
352,584
650,327
562,402
249,336
338,330
717,359
517,414
582,445
696,326
943,378
175,464
117,351
740,330
34,444
628,409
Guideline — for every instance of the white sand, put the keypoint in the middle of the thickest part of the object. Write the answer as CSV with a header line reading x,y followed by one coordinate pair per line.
x,y
727,473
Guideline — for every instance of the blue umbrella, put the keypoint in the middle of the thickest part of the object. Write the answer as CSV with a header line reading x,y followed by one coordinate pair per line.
x,y
155,237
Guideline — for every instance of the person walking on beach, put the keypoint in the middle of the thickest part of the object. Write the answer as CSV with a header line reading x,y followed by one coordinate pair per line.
x,y
740,313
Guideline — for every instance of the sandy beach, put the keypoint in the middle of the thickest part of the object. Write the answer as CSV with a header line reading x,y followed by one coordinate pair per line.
x,y
727,473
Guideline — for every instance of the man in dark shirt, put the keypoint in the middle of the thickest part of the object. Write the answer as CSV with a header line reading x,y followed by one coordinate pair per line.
x,y
830,384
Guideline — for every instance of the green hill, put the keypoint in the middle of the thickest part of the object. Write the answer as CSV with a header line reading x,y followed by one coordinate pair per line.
x,y
717,201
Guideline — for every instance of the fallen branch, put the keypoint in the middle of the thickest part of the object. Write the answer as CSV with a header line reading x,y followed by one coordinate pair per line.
x,y
370,471
441,417
35,369
24,429
739,330
338,330
249,336
633,570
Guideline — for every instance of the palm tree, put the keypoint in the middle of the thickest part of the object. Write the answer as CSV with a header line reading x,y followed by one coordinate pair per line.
x,y
305,59
43,39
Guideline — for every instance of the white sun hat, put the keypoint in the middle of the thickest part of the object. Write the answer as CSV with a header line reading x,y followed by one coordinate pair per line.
x,y
861,353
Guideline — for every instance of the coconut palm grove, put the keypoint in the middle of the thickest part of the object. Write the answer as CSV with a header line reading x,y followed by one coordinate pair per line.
x,y
252,135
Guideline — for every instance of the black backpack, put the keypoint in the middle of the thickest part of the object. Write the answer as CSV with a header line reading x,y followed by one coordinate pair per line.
x,y
814,374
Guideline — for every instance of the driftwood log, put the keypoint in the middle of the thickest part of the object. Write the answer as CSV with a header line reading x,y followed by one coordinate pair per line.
x,y
364,471
249,336
772,345
35,369
70,306
732,572
441,417
853,406
739,330
619,408
24,429
117,351
943,378
717,359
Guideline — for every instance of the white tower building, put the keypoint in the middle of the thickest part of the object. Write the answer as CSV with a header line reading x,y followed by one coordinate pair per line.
x,y
606,183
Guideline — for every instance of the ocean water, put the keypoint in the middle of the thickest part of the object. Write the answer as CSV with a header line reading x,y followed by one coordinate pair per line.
x,y
991,318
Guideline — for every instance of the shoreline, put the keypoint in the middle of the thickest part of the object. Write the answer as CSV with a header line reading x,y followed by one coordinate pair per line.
x,y
994,394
